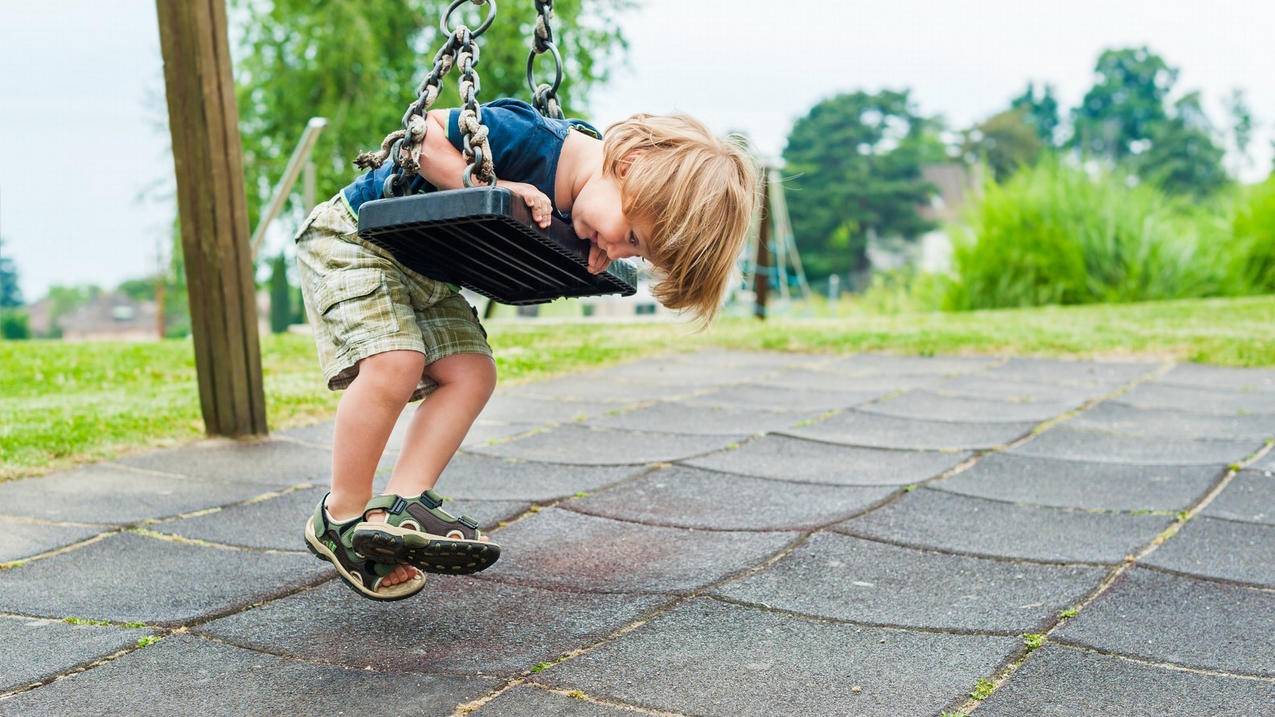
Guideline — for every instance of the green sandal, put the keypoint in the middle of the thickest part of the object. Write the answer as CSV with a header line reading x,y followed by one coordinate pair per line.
x,y
331,541
419,532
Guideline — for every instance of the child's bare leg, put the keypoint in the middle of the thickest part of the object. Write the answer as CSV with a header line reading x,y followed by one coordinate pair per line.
x,y
365,417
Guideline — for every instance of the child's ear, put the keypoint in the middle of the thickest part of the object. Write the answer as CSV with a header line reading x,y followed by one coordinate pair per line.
x,y
622,167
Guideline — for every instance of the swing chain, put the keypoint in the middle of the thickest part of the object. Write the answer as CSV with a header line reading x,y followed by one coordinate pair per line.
x,y
473,131
545,96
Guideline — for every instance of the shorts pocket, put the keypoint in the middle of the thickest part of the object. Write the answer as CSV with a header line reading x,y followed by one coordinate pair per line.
x,y
355,304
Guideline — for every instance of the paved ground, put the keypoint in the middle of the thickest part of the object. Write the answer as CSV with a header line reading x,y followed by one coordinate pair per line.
x,y
712,534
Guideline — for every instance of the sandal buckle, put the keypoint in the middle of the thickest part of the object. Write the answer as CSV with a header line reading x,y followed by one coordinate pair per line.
x,y
468,522
430,499
398,506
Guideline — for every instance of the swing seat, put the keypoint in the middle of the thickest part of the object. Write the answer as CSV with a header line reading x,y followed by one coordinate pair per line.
x,y
484,240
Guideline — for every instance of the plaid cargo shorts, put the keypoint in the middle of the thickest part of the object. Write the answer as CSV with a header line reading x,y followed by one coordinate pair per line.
x,y
361,301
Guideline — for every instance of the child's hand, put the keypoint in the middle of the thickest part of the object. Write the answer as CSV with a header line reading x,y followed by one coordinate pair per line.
x,y
537,202
598,261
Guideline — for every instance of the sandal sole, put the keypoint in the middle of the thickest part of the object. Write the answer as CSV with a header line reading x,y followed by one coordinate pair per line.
x,y
321,552
431,553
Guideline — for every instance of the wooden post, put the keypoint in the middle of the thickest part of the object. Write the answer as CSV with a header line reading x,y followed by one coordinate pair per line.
x,y
761,275
204,122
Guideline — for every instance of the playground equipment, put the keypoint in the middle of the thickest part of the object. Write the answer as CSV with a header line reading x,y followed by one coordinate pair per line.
x,y
770,261
480,237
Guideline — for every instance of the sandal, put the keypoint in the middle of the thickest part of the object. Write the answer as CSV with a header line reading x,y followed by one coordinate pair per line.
x,y
419,532
331,541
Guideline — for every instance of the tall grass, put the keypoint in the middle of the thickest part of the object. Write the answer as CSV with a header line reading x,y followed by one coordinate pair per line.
x,y
1053,234
1253,254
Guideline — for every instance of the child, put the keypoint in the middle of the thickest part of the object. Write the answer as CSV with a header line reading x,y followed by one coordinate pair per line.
x,y
660,188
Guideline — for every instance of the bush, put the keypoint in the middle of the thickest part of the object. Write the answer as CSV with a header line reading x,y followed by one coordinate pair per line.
x,y
14,324
1253,253
1054,235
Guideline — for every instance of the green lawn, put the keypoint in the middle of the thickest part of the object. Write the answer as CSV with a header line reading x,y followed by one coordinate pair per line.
x,y
65,403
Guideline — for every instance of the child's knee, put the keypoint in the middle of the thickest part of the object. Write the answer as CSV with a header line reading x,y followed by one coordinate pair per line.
x,y
392,373
476,372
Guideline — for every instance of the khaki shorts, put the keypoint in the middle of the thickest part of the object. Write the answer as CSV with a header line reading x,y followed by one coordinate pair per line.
x,y
362,302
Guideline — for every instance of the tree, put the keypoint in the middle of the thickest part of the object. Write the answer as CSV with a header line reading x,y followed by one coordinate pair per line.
x,y
1040,112
10,292
1126,101
280,295
1183,158
359,63
1241,116
855,167
1005,141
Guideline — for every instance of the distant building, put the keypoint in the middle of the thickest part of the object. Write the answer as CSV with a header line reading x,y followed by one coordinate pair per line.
x,y
956,185
111,317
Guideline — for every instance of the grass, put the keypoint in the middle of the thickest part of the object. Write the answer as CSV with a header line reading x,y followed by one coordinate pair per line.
x,y
67,403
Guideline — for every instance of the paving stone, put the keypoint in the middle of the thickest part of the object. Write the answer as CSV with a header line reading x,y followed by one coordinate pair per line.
x,y
684,374
933,519
1083,484
1250,497
1224,377
522,701
780,398
128,577
814,462
978,385
819,379
39,649
1243,552
22,539
477,477
1198,400
1078,444
594,387
1060,371
1266,463
693,498
112,495
274,463
1119,418
503,408
185,675
559,548
934,406
579,445
277,523
1196,623
1064,682
887,364
853,579
672,417
484,434
754,359
459,624
858,428
704,658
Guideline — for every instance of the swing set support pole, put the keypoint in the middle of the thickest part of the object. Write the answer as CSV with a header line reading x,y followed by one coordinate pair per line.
x,y
204,121
761,274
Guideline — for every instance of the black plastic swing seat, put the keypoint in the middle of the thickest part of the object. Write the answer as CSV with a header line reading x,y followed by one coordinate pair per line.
x,y
484,240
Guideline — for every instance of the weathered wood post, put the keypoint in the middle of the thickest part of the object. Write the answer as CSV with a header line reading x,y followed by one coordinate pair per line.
x,y
204,122
761,275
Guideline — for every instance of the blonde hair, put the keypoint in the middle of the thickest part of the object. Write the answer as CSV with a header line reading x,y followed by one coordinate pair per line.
x,y
698,193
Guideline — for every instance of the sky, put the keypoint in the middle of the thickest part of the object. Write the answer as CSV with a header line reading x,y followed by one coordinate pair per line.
x,y
86,180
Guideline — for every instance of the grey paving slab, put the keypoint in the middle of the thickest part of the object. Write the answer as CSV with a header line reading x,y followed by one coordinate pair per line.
x,y
856,427
1199,400
1184,621
694,498
504,408
822,379
321,433
21,538
1243,552
888,364
561,549
477,477
843,577
706,658
780,398
1059,681
109,494
523,700
685,374
596,387
459,625
1224,377
1083,484
1265,463
580,445
274,462
1080,444
1116,417
1067,372
127,577
978,385
935,406
754,359
934,519
184,675
39,649
1250,497
674,417
796,459
277,522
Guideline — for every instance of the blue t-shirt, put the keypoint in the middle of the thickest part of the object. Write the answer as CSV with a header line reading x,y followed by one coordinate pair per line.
x,y
524,147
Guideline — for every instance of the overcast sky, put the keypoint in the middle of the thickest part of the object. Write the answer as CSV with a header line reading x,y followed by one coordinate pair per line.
x,y
81,109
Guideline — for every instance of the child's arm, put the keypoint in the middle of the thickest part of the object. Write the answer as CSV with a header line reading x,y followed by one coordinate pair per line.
x,y
442,165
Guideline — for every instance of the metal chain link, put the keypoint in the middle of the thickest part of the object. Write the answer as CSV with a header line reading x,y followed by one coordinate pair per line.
x,y
545,96
474,132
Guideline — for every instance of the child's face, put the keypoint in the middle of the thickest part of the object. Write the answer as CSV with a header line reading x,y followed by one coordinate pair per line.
x,y
596,215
